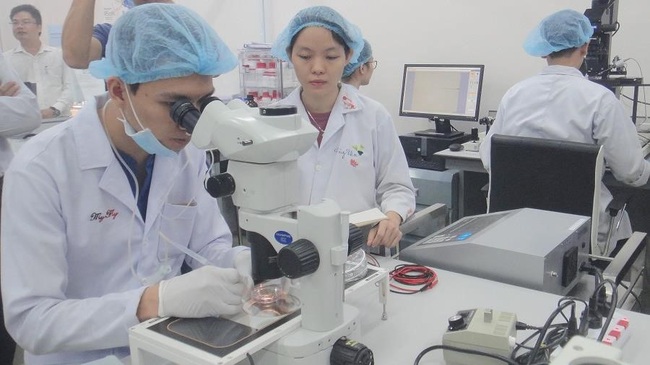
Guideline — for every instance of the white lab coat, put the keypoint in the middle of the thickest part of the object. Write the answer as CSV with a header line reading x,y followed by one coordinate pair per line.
x,y
68,213
55,81
560,103
18,114
360,163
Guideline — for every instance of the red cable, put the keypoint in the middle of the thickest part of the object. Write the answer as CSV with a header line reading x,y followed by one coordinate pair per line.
x,y
413,275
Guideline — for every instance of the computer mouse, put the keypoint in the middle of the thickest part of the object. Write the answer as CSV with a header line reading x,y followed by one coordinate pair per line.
x,y
455,147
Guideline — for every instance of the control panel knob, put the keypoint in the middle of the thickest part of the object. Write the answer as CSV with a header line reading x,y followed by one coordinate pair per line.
x,y
456,322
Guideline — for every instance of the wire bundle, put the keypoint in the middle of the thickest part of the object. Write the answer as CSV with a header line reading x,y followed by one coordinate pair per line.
x,y
412,275
552,334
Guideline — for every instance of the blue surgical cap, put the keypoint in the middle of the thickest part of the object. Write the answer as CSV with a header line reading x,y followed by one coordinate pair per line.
x,y
318,16
364,56
160,41
559,31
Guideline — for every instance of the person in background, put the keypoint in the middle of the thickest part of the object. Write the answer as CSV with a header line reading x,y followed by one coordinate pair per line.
x,y
83,43
106,206
359,73
20,114
560,103
357,159
40,64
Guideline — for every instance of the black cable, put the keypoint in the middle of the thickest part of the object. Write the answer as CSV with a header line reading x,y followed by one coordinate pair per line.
x,y
250,359
618,26
636,297
372,260
556,339
612,305
584,317
465,351
638,101
545,328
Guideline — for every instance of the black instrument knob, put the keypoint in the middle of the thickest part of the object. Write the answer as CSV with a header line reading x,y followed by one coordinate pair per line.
x,y
298,259
355,239
350,352
456,322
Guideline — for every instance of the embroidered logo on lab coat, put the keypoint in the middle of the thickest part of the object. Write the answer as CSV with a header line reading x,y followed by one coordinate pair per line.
x,y
99,216
352,153
348,103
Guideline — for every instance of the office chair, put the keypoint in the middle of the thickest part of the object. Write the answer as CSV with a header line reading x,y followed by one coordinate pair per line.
x,y
546,174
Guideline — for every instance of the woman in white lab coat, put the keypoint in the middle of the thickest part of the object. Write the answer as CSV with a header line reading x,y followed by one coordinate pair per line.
x,y
97,220
357,160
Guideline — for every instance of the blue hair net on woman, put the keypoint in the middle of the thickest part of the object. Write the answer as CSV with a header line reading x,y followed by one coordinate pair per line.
x,y
318,16
559,31
364,56
160,41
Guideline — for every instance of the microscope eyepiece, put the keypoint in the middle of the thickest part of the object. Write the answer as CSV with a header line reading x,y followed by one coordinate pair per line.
x,y
186,115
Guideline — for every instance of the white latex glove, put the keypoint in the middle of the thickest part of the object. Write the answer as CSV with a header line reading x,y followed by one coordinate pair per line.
x,y
206,292
244,266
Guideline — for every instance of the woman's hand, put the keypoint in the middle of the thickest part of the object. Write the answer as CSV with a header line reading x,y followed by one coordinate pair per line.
x,y
387,232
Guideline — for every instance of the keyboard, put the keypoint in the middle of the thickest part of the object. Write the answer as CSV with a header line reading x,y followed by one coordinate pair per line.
x,y
433,133
437,164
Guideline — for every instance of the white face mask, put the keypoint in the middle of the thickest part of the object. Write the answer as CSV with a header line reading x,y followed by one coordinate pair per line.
x,y
144,138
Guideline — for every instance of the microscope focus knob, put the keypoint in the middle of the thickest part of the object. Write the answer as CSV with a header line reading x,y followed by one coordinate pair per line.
x,y
355,239
298,259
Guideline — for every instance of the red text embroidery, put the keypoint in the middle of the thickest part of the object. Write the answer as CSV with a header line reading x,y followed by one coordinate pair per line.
x,y
111,213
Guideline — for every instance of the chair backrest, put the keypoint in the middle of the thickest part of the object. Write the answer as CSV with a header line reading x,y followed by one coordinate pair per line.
x,y
560,176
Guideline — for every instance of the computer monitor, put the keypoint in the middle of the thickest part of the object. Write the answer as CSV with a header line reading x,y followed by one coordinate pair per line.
x,y
441,92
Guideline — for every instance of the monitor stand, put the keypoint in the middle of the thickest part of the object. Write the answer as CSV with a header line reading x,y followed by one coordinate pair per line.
x,y
443,130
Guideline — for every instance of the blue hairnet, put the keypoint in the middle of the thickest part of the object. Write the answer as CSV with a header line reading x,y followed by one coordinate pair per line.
x,y
364,56
559,31
161,41
318,16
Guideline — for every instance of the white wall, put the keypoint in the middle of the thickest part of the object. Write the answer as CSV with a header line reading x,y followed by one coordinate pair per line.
x,y
407,31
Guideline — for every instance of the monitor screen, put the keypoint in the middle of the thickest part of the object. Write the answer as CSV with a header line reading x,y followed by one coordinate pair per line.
x,y
451,92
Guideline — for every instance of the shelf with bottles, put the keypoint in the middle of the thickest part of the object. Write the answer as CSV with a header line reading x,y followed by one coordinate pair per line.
x,y
266,78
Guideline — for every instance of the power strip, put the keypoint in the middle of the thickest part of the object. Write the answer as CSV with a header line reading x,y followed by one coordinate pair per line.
x,y
617,332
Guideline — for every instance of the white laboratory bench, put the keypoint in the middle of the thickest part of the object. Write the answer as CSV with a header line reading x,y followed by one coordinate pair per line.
x,y
463,160
418,321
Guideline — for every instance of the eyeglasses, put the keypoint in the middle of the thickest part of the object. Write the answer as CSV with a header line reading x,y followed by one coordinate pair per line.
x,y
372,64
22,22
